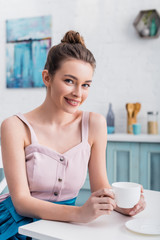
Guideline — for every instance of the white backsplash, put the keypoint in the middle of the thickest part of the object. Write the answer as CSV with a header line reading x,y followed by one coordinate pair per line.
x,y
128,68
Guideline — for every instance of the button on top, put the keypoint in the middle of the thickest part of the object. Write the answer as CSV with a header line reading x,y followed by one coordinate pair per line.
x,y
59,179
61,158
55,193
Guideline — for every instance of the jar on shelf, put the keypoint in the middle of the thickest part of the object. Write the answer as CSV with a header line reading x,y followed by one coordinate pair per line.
x,y
152,122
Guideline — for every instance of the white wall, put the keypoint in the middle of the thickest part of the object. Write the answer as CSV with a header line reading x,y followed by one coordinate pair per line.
x,y
128,68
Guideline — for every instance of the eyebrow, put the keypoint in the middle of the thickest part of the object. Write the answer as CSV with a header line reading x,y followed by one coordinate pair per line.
x,y
71,76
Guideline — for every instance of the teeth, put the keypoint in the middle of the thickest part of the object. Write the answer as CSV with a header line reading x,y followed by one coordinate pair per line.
x,y
73,102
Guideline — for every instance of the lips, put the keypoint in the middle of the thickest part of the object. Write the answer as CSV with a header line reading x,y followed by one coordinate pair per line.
x,y
72,102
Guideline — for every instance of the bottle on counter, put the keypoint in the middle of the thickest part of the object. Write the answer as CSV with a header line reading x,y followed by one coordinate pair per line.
x,y
152,124
110,120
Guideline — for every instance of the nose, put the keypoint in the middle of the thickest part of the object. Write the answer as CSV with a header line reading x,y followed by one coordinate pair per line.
x,y
77,92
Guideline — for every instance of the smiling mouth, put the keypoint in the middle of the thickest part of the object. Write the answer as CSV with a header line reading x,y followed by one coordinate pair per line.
x,y
72,102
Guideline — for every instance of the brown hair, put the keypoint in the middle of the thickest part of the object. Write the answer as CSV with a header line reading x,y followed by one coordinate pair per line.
x,y
72,46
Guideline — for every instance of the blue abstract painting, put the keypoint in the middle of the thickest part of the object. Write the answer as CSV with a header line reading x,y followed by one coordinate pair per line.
x,y
28,42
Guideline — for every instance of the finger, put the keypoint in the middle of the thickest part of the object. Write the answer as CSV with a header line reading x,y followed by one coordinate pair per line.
x,y
106,200
141,208
142,190
141,200
134,210
105,207
142,196
103,192
138,208
132,213
104,212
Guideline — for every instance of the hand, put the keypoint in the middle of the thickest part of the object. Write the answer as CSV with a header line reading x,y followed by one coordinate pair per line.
x,y
140,206
100,203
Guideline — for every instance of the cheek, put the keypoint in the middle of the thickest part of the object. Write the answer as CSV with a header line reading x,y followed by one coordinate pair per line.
x,y
85,95
59,91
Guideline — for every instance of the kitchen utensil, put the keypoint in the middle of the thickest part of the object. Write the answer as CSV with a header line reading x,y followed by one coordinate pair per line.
x,y
137,107
130,109
130,119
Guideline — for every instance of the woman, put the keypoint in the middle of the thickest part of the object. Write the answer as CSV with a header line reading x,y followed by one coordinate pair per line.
x,y
46,152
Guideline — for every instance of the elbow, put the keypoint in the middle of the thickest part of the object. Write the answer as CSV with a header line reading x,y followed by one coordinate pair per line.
x,y
20,211
20,206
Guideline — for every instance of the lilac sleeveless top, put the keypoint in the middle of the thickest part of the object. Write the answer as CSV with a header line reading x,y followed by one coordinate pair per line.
x,y
53,176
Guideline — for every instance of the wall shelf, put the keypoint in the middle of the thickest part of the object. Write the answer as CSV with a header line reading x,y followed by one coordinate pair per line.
x,y
147,24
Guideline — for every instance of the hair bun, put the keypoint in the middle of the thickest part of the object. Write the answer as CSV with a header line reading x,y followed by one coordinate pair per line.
x,y
73,37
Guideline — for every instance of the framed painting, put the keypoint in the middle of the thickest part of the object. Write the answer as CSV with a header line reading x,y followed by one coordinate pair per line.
x,y
28,42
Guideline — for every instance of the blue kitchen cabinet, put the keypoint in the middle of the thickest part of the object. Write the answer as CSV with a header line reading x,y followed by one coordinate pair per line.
x,y
134,162
149,166
122,162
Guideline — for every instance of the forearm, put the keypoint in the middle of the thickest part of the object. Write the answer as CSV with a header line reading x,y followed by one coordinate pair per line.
x,y
36,208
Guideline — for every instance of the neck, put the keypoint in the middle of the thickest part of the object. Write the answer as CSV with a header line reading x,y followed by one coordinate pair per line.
x,y
53,115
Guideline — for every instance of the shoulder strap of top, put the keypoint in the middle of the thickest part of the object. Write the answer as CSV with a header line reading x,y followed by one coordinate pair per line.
x,y
85,123
33,135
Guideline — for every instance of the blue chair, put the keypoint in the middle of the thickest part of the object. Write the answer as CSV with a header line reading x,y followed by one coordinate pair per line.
x,y
3,183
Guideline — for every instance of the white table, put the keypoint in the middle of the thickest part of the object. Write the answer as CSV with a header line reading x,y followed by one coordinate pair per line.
x,y
111,227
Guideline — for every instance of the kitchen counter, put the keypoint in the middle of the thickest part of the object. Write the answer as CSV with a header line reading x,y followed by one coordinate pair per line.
x,y
124,137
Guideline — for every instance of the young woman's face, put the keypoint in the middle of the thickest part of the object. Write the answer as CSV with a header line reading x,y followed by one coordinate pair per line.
x,y
70,85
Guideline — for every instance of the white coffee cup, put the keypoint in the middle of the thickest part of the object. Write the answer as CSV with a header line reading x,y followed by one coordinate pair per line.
x,y
127,194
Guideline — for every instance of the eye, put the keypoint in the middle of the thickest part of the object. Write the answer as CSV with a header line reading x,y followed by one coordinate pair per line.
x,y
86,85
69,81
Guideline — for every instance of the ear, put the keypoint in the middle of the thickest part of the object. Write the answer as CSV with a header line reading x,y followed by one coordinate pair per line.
x,y
46,78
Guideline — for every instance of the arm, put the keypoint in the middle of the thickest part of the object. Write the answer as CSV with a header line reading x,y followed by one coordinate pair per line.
x,y
101,201
97,163
14,135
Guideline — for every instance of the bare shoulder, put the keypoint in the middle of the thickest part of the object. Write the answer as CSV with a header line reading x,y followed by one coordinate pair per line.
x,y
97,127
97,120
10,122
12,126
